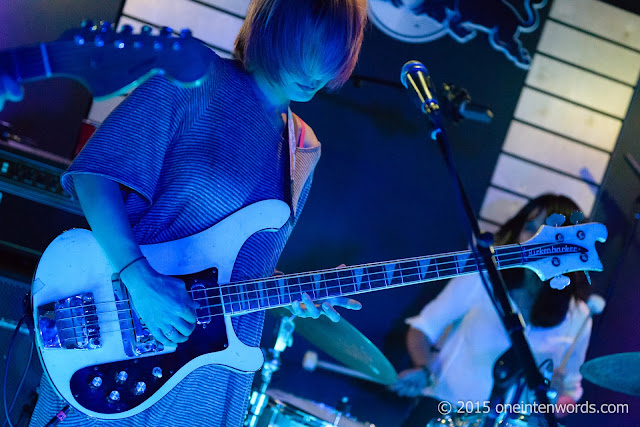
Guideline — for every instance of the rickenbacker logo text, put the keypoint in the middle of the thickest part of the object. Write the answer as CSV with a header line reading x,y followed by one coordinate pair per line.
x,y
559,249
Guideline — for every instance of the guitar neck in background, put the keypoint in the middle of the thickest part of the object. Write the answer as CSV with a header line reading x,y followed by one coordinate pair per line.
x,y
28,63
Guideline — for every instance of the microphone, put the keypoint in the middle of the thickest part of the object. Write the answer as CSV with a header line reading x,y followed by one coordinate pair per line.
x,y
415,77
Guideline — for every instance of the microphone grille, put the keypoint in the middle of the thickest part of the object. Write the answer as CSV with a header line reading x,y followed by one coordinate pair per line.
x,y
411,67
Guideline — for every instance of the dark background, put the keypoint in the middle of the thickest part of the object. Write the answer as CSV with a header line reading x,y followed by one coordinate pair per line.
x,y
380,192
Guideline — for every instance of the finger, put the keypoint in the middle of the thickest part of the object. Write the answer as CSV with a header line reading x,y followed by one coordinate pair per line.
x,y
194,304
160,336
330,312
184,328
187,312
174,336
296,309
342,266
347,303
403,374
310,307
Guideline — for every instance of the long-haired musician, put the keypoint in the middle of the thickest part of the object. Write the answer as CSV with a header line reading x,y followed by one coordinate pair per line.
x,y
458,368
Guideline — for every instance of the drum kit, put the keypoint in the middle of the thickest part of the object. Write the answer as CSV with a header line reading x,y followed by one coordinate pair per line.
x,y
478,420
269,407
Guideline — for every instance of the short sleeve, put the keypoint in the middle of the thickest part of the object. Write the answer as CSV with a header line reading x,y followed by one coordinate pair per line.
x,y
451,304
130,145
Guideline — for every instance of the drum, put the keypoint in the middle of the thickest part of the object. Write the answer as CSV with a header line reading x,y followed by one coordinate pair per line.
x,y
477,420
286,410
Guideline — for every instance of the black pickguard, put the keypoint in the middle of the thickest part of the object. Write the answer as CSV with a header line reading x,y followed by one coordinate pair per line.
x,y
209,338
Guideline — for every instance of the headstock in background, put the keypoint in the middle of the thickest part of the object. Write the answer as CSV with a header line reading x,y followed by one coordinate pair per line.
x,y
110,62
556,250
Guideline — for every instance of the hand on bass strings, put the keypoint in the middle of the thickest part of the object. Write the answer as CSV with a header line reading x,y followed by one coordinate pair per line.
x,y
162,302
10,90
411,382
308,308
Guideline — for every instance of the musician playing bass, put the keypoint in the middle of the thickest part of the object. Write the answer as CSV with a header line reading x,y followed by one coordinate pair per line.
x,y
170,162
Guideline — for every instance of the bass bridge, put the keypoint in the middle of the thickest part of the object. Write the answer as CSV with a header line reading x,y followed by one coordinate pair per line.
x,y
74,323
70,323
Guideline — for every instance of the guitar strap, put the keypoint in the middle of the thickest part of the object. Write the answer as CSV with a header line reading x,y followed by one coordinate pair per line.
x,y
292,163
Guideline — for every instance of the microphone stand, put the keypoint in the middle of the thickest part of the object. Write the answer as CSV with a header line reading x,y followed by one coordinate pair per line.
x,y
482,248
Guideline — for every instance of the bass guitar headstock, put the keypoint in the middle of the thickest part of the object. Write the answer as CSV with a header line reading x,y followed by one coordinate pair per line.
x,y
109,62
555,250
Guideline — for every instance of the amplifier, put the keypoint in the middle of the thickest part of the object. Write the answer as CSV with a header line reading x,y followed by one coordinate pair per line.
x,y
38,180
34,208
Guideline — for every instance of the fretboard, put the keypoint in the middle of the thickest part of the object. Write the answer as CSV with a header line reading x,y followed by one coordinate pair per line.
x,y
278,291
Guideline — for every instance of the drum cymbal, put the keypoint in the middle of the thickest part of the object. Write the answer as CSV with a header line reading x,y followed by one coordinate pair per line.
x,y
618,372
345,343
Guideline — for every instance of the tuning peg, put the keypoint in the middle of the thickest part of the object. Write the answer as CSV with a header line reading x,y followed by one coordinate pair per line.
x,y
146,30
87,23
126,29
105,26
559,282
186,33
78,39
166,31
576,217
555,220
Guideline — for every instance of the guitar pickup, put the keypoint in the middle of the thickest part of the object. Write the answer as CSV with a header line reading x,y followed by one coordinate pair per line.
x,y
199,294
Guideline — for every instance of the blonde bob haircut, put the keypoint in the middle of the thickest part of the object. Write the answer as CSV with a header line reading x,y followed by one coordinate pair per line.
x,y
312,38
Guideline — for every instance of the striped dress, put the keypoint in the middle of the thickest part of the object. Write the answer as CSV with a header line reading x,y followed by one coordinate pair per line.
x,y
186,159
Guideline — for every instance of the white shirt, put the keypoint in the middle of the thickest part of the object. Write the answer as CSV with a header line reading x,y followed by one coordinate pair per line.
x,y
463,368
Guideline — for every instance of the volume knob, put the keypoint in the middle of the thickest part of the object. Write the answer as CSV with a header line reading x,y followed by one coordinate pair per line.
x,y
140,388
121,377
114,396
96,382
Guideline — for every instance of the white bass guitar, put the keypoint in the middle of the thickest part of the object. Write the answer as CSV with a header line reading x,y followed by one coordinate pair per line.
x,y
103,361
